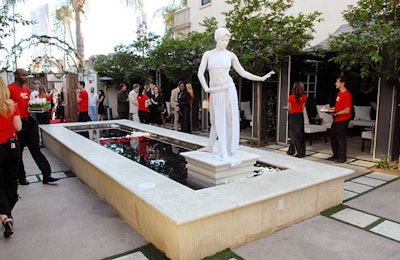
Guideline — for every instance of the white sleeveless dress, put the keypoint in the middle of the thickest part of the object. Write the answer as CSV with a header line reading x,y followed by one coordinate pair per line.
x,y
226,111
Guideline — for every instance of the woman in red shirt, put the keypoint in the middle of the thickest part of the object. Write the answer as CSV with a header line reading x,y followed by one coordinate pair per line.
x,y
10,123
296,102
143,103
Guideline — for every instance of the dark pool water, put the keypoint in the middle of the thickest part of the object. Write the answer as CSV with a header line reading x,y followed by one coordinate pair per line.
x,y
160,156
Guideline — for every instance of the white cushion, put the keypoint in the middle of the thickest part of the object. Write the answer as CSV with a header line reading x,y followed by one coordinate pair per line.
x,y
364,123
310,129
326,118
305,115
362,112
245,106
366,135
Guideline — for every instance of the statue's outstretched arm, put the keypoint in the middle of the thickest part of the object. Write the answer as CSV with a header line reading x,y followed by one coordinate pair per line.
x,y
202,70
245,74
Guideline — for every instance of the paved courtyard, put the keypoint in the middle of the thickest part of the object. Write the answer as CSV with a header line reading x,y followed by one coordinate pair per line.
x,y
68,221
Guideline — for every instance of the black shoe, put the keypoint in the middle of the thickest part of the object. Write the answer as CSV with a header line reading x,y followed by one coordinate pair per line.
x,y
8,227
340,160
49,179
23,181
333,158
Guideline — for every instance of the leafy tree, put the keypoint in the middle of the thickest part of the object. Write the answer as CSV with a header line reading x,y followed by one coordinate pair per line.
x,y
7,23
129,63
264,32
373,45
179,59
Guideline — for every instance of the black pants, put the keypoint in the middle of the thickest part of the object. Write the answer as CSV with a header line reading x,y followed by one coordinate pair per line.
x,y
123,115
83,117
43,118
338,139
9,163
144,117
297,135
184,117
29,136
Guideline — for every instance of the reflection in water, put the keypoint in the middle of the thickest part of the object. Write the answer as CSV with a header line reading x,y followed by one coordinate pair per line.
x,y
159,156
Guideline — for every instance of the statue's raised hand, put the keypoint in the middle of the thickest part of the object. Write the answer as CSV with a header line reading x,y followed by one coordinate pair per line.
x,y
268,75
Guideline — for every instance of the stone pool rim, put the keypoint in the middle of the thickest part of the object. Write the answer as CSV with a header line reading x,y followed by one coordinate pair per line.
x,y
183,206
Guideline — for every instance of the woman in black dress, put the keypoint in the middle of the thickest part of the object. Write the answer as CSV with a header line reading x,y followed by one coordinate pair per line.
x,y
184,107
157,107
100,108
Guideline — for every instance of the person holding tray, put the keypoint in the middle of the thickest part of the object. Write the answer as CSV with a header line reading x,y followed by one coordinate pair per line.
x,y
341,113
29,134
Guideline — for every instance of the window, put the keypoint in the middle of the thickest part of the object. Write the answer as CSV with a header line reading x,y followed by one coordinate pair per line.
x,y
204,2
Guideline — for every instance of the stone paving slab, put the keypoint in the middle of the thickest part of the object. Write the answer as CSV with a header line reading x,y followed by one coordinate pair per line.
x,y
321,155
320,238
349,194
382,176
133,256
356,187
388,229
383,201
275,146
362,163
368,181
355,217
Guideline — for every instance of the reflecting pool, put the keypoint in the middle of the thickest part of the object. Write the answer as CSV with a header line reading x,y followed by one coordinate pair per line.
x,y
159,155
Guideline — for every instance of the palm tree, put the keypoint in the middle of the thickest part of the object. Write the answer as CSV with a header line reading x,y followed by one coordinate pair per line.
x,y
63,18
167,13
79,6
79,9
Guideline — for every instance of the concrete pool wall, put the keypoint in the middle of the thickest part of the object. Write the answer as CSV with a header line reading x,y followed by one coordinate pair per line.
x,y
193,224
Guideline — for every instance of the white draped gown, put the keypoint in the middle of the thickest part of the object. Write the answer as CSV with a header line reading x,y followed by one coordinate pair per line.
x,y
226,110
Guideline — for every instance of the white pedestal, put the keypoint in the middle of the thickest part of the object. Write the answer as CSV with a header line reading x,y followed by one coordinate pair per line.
x,y
205,171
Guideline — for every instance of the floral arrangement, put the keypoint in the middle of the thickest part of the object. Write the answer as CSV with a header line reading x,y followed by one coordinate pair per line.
x,y
38,104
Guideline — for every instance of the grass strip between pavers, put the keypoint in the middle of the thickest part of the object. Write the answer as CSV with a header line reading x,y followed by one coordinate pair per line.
x,y
331,211
152,253
69,174
224,255
149,250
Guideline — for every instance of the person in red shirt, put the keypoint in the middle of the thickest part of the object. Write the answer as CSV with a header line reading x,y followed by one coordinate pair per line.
x,y
296,102
143,106
10,123
341,113
29,134
82,98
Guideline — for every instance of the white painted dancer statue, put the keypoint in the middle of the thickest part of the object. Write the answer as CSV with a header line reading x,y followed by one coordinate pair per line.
x,y
224,109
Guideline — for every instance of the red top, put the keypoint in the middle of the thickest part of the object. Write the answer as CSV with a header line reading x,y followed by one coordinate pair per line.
x,y
83,106
21,96
7,126
190,99
48,98
142,102
343,100
297,107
